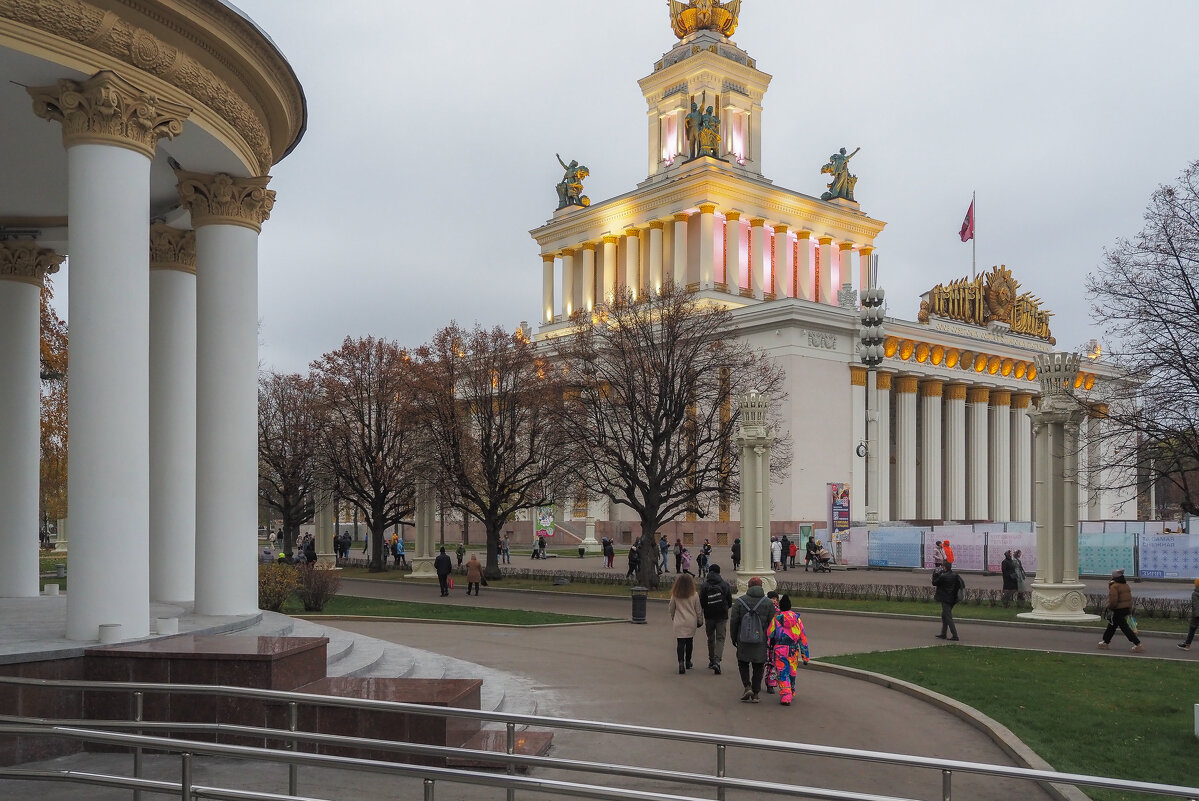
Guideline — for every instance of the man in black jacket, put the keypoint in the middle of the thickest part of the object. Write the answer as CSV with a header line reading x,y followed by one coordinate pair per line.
x,y
443,567
716,598
949,586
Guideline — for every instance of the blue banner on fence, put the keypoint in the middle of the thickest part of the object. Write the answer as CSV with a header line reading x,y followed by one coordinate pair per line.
x,y
895,547
1170,556
1100,554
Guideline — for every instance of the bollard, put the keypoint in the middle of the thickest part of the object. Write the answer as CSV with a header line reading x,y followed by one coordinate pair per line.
x,y
582,551
640,595
60,570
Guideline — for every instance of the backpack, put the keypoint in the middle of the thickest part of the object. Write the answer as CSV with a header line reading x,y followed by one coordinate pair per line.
x,y
713,600
959,591
750,630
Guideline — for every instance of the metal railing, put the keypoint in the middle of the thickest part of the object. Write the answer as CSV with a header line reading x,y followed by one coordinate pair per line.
x,y
132,734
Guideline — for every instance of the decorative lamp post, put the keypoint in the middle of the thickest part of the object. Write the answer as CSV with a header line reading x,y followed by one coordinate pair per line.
x,y
1057,594
755,440
872,335
423,556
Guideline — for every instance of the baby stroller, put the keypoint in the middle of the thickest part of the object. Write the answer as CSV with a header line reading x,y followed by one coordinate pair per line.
x,y
824,561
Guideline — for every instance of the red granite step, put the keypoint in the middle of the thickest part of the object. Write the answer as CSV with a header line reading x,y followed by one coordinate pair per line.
x,y
528,743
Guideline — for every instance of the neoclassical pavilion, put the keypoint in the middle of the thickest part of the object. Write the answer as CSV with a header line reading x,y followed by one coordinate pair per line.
x,y
138,140
957,383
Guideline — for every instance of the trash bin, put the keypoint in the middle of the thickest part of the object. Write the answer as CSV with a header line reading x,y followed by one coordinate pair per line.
x,y
640,595
60,570
582,551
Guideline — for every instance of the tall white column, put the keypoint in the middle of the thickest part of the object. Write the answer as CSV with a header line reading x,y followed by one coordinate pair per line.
x,y
424,518
784,282
857,434
226,382
828,292
845,274
680,249
23,267
547,288
883,444
1070,502
905,448
655,256
1041,456
757,257
755,439
588,298
864,254
568,282
632,262
172,414
609,268
110,129
732,252
707,245
977,433
1000,469
953,446
803,272
1021,457
930,451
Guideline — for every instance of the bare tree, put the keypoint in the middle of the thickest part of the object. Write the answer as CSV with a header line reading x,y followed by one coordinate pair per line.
x,y
368,445
651,411
487,400
1146,292
288,426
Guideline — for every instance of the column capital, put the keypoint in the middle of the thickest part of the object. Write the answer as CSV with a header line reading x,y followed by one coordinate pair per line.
x,y
884,380
732,216
780,229
1001,397
106,109
1097,411
825,240
587,246
547,258
978,394
1021,400
23,261
757,222
955,392
931,388
172,248
857,376
566,252
866,250
844,246
707,208
906,384
656,225
611,240
221,199
682,217
803,234
633,232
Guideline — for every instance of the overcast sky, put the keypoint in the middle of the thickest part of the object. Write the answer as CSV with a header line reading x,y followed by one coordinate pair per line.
x,y
433,128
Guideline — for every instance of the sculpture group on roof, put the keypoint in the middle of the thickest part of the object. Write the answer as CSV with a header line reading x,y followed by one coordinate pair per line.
x,y
570,188
842,185
704,15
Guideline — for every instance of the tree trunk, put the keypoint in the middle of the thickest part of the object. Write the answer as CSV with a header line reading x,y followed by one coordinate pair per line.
x,y
492,569
377,529
647,548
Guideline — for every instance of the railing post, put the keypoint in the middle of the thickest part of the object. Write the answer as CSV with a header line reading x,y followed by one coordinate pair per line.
x,y
720,770
138,709
185,777
946,788
428,790
293,770
510,747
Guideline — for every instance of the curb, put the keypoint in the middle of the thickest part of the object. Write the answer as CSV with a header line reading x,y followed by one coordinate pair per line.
x,y
1001,735
381,619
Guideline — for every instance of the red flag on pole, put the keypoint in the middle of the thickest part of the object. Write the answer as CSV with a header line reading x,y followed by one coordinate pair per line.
x,y
967,232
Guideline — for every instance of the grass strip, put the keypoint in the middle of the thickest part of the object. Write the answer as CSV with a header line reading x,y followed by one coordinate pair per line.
x,y
450,613
1127,718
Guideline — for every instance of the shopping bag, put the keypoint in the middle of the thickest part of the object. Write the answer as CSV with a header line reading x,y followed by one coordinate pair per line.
x,y
449,582
1132,623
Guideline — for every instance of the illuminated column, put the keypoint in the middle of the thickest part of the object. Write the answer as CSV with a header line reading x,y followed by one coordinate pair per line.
x,y
930,450
172,413
1021,457
757,257
707,246
547,288
803,269
884,446
1000,470
23,267
953,447
784,282
864,254
845,275
857,435
227,213
110,129
568,282
588,298
632,262
905,447
680,249
827,290
609,268
655,256
732,252
977,483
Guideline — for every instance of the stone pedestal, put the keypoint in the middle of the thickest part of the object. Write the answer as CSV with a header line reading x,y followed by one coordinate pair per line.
x,y
60,536
422,550
1058,602
422,567
590,544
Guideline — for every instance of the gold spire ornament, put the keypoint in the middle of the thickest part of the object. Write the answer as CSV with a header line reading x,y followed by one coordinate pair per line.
x,y
704,15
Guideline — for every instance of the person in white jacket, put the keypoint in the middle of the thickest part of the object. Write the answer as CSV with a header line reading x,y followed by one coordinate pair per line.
x,y
776,553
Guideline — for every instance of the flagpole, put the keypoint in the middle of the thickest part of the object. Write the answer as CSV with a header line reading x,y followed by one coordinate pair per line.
x,y
974,238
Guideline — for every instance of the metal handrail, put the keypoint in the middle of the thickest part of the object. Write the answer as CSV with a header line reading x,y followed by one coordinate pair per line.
x,y
721,742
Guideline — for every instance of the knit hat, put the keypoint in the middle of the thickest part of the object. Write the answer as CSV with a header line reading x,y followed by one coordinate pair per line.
x,y
714,569
1118,572
755,582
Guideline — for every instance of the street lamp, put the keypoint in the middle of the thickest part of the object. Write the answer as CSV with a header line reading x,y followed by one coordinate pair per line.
x,y
871,337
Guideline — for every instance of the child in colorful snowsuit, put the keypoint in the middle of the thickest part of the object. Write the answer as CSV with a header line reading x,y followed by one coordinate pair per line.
x,y
768,674
787,645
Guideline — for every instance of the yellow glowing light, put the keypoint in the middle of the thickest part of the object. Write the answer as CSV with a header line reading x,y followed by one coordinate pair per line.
x,y
951,357
1005,367
905,349
922,352
993,365
937,354
1032,372
890,346
980,362
1090,382
1020,369
1078,381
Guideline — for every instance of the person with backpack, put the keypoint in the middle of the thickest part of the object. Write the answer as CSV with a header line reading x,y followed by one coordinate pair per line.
x,y
716,598
686,616
664,548
678,555
750,616
788,644
950,591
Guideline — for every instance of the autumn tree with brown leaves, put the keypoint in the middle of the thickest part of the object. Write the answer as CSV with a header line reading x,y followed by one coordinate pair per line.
x,y
652,410
1146,293
487,401
369,439
54,409
288,428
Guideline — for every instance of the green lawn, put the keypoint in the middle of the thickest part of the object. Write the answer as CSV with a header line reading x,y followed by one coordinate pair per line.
x,y
463,612
1127,718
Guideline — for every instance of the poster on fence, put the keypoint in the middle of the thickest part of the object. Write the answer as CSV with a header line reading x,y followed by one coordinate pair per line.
x,y
1169,556
967,543
545,521
1100,554
1012,541
894,547
838,509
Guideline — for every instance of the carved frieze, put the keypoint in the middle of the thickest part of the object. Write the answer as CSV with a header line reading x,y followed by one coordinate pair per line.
x,y
24,261
222,199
